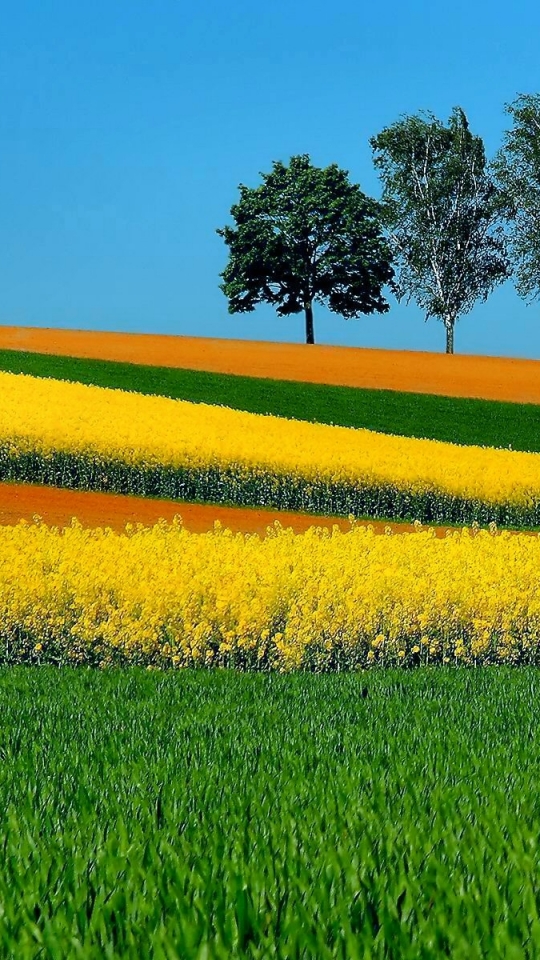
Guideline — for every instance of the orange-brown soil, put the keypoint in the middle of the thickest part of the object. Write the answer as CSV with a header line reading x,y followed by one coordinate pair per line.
x,y
491,378
58,507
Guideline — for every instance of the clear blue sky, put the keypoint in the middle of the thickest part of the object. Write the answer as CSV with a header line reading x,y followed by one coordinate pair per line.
x,y
126,127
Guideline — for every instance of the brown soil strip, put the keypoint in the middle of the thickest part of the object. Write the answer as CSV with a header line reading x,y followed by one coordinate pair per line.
x,y
58,507
490,378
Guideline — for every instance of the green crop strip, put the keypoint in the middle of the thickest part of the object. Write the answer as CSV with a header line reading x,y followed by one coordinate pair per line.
x,y
186,815
465,421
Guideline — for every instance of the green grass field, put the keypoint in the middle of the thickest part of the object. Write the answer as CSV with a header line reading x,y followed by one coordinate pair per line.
x,y
224,815
484,422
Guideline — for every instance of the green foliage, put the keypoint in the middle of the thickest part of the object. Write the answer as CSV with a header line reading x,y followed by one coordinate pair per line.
x,y
443,212
306,235
195,815
517,169
482,422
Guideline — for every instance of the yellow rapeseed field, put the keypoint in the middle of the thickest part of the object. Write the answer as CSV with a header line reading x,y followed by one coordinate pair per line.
x,y
165,597
42,416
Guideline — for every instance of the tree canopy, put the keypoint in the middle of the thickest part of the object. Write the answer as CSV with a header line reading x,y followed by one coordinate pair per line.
x,y
517,170
306,235
444,215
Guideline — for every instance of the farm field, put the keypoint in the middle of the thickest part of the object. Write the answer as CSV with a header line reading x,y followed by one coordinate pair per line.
x,y
56,507
293,598
489,378
492,423
265,730
218,814
314,601
94,438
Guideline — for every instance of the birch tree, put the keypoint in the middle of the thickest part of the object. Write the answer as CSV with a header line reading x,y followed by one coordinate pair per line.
x,y
443,213
517,170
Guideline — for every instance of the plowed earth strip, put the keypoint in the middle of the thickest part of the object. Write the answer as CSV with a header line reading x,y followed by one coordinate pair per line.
x,y
57,508
488,378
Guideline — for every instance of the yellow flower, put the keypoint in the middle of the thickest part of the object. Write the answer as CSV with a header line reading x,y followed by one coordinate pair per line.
x,y
164,596
104,426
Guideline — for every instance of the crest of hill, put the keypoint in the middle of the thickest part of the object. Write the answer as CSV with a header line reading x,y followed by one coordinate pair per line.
x,y
489,378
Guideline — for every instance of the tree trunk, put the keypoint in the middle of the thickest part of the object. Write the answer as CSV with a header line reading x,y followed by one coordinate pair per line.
x,y
449,324
310,334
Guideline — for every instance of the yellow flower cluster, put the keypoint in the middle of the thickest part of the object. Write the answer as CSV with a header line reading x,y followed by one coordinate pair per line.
x,y
165,597
39,415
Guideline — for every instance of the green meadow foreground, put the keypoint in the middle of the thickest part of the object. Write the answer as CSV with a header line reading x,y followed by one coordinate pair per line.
x,y
391,814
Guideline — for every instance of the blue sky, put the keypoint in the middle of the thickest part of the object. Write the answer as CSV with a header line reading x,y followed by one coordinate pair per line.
x,y
126,127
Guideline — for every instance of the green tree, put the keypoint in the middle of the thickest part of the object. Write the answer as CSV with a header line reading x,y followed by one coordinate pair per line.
x,y
517,170
444,215
306,235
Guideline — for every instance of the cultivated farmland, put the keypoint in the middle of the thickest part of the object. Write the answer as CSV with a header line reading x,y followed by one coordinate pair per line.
x,y
314,601
56,507
93,438
303,739
490,378
218,814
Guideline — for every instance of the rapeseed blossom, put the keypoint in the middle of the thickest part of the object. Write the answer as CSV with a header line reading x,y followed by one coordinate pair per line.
x,y
162,596
71,434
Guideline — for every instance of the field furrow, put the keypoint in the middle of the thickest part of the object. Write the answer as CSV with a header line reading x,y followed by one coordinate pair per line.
x,y
488,378
57,507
